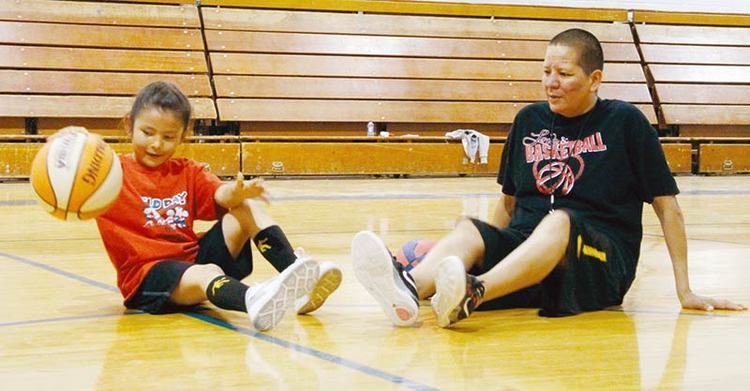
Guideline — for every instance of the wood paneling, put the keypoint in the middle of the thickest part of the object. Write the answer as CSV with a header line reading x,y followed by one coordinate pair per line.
x,y
10,125
715,131
724,158
104,13
714,94
102,59
361,45
15,158
358,129
706,114
361,110
342,158
223,159
382,111
700,73
348,66
405,89
96,83
689,18
71,35
693,35
217,18
82,106
679,157
433,8
700,55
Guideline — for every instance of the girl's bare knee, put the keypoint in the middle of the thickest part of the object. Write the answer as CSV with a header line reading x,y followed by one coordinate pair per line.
x,y
258,215
192,286
208,271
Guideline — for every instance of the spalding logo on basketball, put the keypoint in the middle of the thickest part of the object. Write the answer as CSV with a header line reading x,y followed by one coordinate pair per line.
x,y
411,253
76,176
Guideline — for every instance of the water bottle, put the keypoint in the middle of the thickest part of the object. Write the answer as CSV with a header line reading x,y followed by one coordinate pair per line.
x,y
370,128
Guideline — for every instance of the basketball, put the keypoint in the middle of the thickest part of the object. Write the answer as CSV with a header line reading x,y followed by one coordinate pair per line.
x,y
411,253
76,176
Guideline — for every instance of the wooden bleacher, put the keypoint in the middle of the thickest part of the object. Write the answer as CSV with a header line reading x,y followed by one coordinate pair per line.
x,y
301,81
277,66
300,73
61,59
64,62
701,76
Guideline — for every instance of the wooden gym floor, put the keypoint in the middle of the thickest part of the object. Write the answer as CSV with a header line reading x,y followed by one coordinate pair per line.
x,y
62,324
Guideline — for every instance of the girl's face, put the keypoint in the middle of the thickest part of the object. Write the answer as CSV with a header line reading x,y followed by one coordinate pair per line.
x,y
156,135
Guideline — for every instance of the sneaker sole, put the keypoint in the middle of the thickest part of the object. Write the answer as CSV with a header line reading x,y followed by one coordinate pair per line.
x,y
450,288
296,281
327,283
373,268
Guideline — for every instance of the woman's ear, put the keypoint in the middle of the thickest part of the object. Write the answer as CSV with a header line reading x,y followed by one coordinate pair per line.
x,y
596,79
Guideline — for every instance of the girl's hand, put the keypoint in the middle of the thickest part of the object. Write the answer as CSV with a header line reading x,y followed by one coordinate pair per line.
x,y
242,190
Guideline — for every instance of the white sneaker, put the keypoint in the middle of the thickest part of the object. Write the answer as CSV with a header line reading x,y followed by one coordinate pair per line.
x,y
391,286
328,281
457,294
267,302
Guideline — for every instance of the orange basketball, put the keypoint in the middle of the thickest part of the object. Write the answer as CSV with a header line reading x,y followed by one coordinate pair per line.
x,y
76,176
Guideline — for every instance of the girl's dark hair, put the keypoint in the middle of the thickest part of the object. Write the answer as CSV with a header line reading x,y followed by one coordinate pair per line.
x,y
163,96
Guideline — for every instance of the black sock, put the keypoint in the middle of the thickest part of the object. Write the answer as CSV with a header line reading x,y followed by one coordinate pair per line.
x,y
227,293
274,246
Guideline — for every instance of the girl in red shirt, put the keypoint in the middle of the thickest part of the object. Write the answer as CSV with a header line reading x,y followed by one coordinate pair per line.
x,y
162,264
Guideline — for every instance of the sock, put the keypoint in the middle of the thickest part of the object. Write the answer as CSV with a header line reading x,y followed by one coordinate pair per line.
x,y
227,293
274,246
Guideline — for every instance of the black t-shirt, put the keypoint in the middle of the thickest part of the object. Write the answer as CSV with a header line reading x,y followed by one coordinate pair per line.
x,y
603,164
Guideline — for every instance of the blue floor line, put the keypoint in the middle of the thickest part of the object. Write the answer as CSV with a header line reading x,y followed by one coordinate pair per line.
x,y
61,272
265,337
315,353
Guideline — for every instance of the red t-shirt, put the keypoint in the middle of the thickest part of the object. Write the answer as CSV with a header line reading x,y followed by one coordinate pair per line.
x,y
153,218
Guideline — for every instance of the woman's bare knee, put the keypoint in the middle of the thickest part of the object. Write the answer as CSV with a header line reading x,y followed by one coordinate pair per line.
x,y
556,223
553,231
466,241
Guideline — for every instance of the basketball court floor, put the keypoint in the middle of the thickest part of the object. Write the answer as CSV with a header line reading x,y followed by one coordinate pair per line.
x,y
62,324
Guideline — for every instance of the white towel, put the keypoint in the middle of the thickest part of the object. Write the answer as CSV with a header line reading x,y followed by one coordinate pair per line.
x,y
473,142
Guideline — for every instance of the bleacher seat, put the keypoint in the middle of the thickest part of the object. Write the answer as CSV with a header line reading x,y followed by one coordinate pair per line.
x,y
297,67
85,60
701,76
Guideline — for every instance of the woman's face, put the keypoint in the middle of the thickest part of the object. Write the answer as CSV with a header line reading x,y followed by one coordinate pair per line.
x,y
570,91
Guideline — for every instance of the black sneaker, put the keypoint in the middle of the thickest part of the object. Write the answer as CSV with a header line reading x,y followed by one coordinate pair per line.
x,y
391,286
457,294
